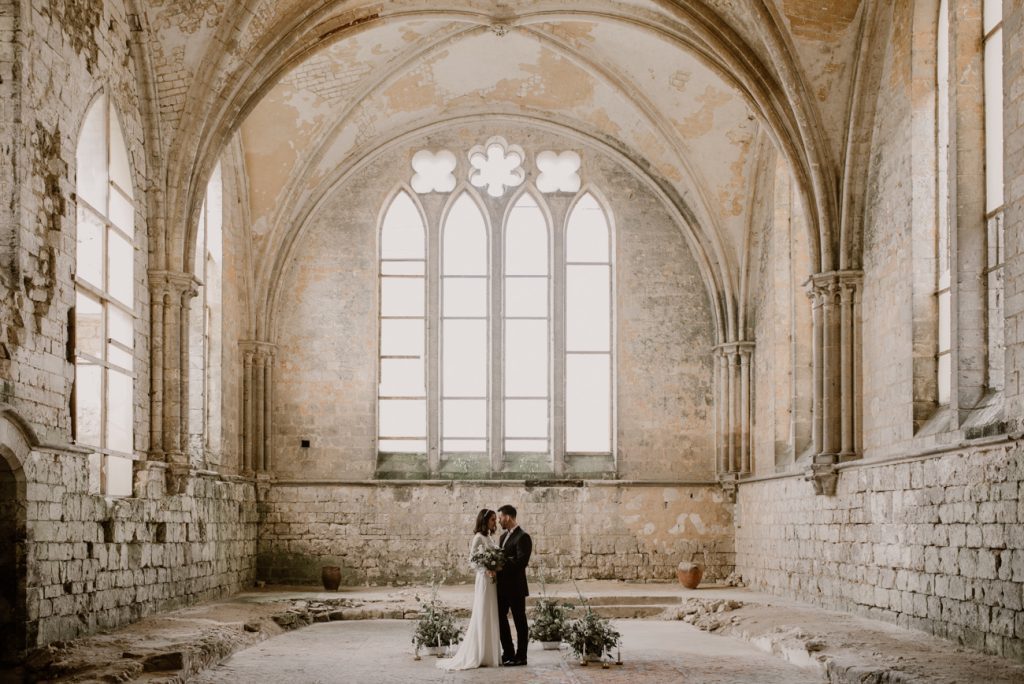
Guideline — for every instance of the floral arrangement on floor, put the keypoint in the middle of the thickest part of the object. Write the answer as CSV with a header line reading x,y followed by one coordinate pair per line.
x,y
436,625
491,558
549,620
549,616
591,635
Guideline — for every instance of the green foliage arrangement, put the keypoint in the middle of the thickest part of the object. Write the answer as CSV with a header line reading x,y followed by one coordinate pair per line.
x,y
591,635
548,620
436,625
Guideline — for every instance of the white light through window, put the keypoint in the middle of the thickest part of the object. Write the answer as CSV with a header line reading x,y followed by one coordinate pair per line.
x,y
942,200
496,166
527,327
402,406
993,55
558,172
104,396
459,384
464,338
433,171
588,399
205,326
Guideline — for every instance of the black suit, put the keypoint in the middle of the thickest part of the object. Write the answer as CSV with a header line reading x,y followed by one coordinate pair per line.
x,y
512,592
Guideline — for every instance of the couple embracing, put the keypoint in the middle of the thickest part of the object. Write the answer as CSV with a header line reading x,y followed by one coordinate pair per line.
x,y
501,588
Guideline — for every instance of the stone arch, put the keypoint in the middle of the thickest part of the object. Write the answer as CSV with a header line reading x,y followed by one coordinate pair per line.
x,y
15,444
721,298
775,90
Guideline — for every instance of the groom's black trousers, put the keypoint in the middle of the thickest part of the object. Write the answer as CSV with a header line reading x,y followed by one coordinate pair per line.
x,y
517,604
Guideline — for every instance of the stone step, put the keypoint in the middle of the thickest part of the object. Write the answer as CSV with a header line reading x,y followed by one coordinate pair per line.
x,y
620,612
595,601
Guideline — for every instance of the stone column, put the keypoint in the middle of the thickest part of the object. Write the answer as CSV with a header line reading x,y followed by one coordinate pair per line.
x,y
835,299
733,413
170,294
257,408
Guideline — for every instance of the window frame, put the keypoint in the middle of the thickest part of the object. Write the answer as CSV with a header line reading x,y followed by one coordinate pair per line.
x,y
556,458
102,292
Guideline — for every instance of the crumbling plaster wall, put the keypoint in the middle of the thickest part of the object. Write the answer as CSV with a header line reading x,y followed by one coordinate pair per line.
x,y
92,562
926,531
325,392
69,52
327,324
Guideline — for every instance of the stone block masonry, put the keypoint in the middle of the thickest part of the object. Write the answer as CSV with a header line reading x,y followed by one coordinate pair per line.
x,y
97,563
401,533
934,544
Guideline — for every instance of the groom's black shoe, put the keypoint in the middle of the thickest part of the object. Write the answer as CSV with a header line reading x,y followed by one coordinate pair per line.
x,y
508,662
515,663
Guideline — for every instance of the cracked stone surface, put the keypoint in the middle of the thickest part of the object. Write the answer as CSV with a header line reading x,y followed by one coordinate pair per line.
x,y
380,651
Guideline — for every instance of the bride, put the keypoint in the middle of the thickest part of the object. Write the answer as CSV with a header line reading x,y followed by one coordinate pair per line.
x,y
481,646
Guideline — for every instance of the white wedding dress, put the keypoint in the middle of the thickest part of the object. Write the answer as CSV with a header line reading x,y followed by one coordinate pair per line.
x,y
481,645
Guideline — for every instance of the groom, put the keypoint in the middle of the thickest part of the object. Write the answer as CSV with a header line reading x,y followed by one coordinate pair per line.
x,y
512,589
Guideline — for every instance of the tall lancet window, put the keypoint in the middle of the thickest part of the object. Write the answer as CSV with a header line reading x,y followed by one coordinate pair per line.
x,y
205,326
464,329
527,330
104,388
588,330
402,397
943,295
993,55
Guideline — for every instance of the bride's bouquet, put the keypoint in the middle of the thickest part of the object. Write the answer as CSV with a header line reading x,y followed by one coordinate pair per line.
x,y
490,557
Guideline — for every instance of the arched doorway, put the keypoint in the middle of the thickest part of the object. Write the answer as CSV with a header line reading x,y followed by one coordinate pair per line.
x,y
13,617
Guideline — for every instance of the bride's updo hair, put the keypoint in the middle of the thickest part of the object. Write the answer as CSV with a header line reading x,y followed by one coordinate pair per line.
x,y
483,519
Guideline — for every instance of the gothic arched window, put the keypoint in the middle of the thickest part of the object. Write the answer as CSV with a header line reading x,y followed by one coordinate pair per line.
x,y
496,350
205,325
943,291
104,327
993,56
464,329
402,397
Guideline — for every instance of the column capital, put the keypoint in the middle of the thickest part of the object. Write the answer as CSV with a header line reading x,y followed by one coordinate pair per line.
x,y
741,347
173,283
257,347
830,281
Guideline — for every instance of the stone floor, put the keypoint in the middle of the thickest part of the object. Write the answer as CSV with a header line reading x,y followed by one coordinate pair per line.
x,y
379,651
712,634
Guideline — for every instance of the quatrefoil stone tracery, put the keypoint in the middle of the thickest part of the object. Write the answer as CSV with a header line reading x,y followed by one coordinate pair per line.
x,y
496,165
433,171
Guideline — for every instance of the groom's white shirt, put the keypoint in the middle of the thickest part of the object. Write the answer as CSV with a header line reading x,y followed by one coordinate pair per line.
x,y
508,533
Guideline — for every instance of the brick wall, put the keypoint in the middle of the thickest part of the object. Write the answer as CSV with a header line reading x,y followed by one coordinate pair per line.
x,y
935,544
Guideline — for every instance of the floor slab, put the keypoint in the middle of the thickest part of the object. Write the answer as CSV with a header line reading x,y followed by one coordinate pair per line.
x,y
380,651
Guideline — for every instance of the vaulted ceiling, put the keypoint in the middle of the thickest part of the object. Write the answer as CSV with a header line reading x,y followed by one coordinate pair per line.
x,y
694,93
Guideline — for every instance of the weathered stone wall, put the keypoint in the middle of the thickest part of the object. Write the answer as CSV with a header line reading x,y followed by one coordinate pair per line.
x,y
935,544
886,302
383,533
69,52
97,563
326,327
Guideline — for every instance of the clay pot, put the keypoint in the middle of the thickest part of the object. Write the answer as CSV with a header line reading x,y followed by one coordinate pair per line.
x,y
689,574
330,575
